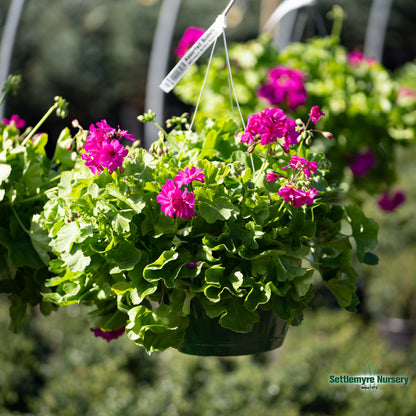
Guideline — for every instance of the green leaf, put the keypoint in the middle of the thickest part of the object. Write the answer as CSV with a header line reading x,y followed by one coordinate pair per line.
x,y
303,283
258,295
121,287
343,290
165,268
156,329
66,237
76,261
364,230
63,157
40,239
238,318
124,256
4,172
370,258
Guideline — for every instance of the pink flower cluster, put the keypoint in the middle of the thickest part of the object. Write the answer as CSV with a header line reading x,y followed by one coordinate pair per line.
x,y
268,126
109,335
316,114
18,122
290,192
297,197
103,148
356,58
299,163
363,163
284,85
175,201
190,36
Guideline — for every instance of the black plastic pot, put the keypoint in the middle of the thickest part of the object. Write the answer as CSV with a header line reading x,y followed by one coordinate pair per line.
x,y
206,337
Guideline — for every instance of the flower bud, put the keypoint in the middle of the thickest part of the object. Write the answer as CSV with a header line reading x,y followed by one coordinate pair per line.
x,y
328,135
252,147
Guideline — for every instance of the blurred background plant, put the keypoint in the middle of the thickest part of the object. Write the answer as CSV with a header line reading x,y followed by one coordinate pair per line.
x,y
55,367
104,46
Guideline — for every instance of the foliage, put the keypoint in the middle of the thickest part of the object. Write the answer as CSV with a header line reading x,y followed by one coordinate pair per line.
x,y
25,174
391,290
364,108
245,249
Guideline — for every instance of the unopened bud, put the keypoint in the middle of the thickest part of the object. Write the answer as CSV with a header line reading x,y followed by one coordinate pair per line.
x,y
308,141
328,135
251,148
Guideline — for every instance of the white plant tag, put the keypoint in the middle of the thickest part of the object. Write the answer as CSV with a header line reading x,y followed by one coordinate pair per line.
x,y
194,53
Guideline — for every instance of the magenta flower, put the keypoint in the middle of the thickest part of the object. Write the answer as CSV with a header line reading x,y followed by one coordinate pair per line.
x,y
309,196
192,265
108,335
389,203
284,85
356,58
272,177
103,148
316,113
290,135
362,163
112,155
188,175
297,197
124,133
175,201
92,163
252,129
291,194
16,120
270,125
190,36
297,162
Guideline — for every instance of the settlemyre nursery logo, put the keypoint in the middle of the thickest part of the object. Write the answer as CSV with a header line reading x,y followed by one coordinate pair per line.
x,y
371,381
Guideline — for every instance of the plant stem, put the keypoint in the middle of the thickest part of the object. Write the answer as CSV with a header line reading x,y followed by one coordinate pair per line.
x,y
20,221
263,166
41,121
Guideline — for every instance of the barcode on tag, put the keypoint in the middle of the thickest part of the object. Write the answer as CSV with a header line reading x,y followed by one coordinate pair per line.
x,y
194,53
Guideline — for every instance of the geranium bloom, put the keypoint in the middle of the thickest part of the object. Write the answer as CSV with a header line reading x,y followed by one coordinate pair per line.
x,y
91,163
103,148
363,163
389,203
316,113
284,85
300,163
108,335
270,125
272,177
18,122
190,36
291,135
112,155
291,194
252,129
297,197
188,175
175,201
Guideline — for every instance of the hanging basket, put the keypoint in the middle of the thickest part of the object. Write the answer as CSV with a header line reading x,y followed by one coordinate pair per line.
x,y
206,337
